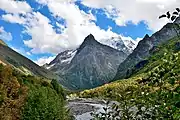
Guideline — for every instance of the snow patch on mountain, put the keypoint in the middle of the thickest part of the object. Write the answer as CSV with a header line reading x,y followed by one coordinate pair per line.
x,y
127,46
62,58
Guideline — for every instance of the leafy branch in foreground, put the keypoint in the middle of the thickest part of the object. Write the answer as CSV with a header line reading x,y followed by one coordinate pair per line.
x,y
172,18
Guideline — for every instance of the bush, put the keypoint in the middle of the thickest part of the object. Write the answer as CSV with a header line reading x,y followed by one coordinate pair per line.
x,y
43,103
12,94
58,88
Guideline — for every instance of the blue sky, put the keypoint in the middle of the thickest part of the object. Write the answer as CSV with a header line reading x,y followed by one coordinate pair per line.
x,y
40,29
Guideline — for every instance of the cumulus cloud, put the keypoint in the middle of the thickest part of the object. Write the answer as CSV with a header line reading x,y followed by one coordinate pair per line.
x,y
45,39
21,51
135,11
5,35
12,6
44,60
78,24
14,18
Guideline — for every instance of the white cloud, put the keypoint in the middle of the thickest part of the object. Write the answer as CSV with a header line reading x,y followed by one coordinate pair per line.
x,y
44,60
12,6
28,53
136,10
44,38
138,39
13,18
5,35
78,25
21,51
157,1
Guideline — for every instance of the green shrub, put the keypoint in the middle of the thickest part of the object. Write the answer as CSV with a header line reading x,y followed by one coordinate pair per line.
x,y
58,88
43,103
29,97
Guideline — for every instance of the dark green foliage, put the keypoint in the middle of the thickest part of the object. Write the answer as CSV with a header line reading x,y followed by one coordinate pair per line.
x,y
43,103
29,97
177,46
58,88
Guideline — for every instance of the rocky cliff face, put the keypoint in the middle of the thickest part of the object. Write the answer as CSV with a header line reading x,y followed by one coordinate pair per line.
x,y
142,51
94,64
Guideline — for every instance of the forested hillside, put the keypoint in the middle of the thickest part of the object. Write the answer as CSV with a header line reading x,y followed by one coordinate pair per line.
x,y
30,98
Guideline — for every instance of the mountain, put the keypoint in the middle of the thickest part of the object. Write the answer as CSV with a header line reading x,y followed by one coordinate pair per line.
x,y
93,64
157,82
144,49
2,43
62,60
127,46
21,63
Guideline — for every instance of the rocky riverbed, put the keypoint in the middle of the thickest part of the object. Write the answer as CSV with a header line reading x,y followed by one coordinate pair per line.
x,y
82,108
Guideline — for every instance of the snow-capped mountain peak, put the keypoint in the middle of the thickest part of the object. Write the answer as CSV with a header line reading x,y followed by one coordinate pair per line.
x,y
127,46
64,58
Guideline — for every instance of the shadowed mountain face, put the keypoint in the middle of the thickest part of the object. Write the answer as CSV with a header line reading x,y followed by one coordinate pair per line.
x,y
21,63
144,48
94,64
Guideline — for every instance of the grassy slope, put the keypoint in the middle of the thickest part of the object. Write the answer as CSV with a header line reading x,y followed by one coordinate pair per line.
x,y
30,98
158,81
21,63
2,43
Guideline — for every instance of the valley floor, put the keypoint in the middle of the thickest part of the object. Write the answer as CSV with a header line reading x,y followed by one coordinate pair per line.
x,y
82,108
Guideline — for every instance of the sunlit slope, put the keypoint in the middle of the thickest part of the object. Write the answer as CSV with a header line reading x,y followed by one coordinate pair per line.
x,y
9,56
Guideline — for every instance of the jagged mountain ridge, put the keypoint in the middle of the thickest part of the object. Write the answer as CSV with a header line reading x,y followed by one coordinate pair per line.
x,y
64,58
94,64
10,57
144,48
